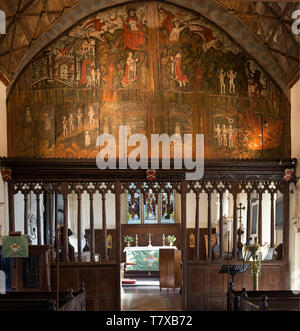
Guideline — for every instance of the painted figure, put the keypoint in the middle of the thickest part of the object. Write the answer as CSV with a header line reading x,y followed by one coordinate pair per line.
x,y
130,72
91,115
209,41
172,24
218,134
79,118
222,82
87,139
86,52
231,75
230,137
98,78
224,135
177,70
65,126
47,122
71,123
134,36
105,126
177,128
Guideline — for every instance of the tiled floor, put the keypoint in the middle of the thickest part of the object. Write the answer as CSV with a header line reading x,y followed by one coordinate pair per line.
x,y
149,298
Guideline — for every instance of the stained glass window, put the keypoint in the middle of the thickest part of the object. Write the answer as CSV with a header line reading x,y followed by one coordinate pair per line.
x,y
167,208
150,208
134,208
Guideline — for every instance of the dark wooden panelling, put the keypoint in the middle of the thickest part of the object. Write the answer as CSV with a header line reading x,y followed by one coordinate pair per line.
x,y
206,288
100,281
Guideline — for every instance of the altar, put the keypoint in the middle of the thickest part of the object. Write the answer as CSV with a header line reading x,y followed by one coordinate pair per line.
x,y
145,258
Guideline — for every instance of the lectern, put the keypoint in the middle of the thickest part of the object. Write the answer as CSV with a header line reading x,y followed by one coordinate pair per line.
x,y
232,270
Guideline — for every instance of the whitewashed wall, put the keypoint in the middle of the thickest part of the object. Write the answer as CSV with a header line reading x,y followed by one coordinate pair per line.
x,y
3,152
295,196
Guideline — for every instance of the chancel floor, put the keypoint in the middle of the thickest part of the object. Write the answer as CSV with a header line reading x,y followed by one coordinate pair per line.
x,y
144,297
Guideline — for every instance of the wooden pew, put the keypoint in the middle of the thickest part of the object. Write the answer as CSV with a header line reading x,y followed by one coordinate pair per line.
x,y
267,301
43,301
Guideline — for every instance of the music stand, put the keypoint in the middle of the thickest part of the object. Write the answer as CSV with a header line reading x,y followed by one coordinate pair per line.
x,y
232,270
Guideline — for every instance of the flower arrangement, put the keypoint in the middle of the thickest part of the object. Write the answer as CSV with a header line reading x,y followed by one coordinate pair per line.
x,y
171,239
128,239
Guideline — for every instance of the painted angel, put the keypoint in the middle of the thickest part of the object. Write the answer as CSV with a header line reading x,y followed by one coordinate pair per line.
x,y
172,25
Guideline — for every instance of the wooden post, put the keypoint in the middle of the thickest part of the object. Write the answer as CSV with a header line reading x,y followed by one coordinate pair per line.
x,y
11,206
51,223
104,227
286,224
118,240
56,221
272,219
260,218
66,225
38,218
221,226
79,199
92,227
209,228
25,213
234,234
197,229
183,192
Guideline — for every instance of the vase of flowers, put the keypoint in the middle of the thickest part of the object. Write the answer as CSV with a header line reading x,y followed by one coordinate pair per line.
x,y
171,239
128,239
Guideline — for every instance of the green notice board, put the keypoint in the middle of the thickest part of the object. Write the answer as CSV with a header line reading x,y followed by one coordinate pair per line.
x,y
144,260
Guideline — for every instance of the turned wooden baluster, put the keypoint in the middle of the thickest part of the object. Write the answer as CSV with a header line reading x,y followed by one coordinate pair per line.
x,y
248,233
209,227
26,213
38,218
272,219
92,226
197,229
66,225
118,220
56,220
51,242
183,191
104,226
118,241
260,196
234,235
79,245
221,225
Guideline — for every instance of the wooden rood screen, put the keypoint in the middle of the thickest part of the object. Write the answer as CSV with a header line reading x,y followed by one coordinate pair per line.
x,y
60,178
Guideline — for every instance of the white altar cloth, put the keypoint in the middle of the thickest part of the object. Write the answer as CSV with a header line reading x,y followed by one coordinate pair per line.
x,y
147,248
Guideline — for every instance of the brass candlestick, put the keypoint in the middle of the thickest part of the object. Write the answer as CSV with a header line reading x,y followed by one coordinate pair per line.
x,y
136,240
149,238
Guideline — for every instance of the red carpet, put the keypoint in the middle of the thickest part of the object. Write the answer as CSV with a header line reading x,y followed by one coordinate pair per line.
x,y
129,281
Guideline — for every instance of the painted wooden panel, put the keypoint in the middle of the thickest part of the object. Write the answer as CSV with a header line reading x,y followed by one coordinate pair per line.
x,y
155,68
